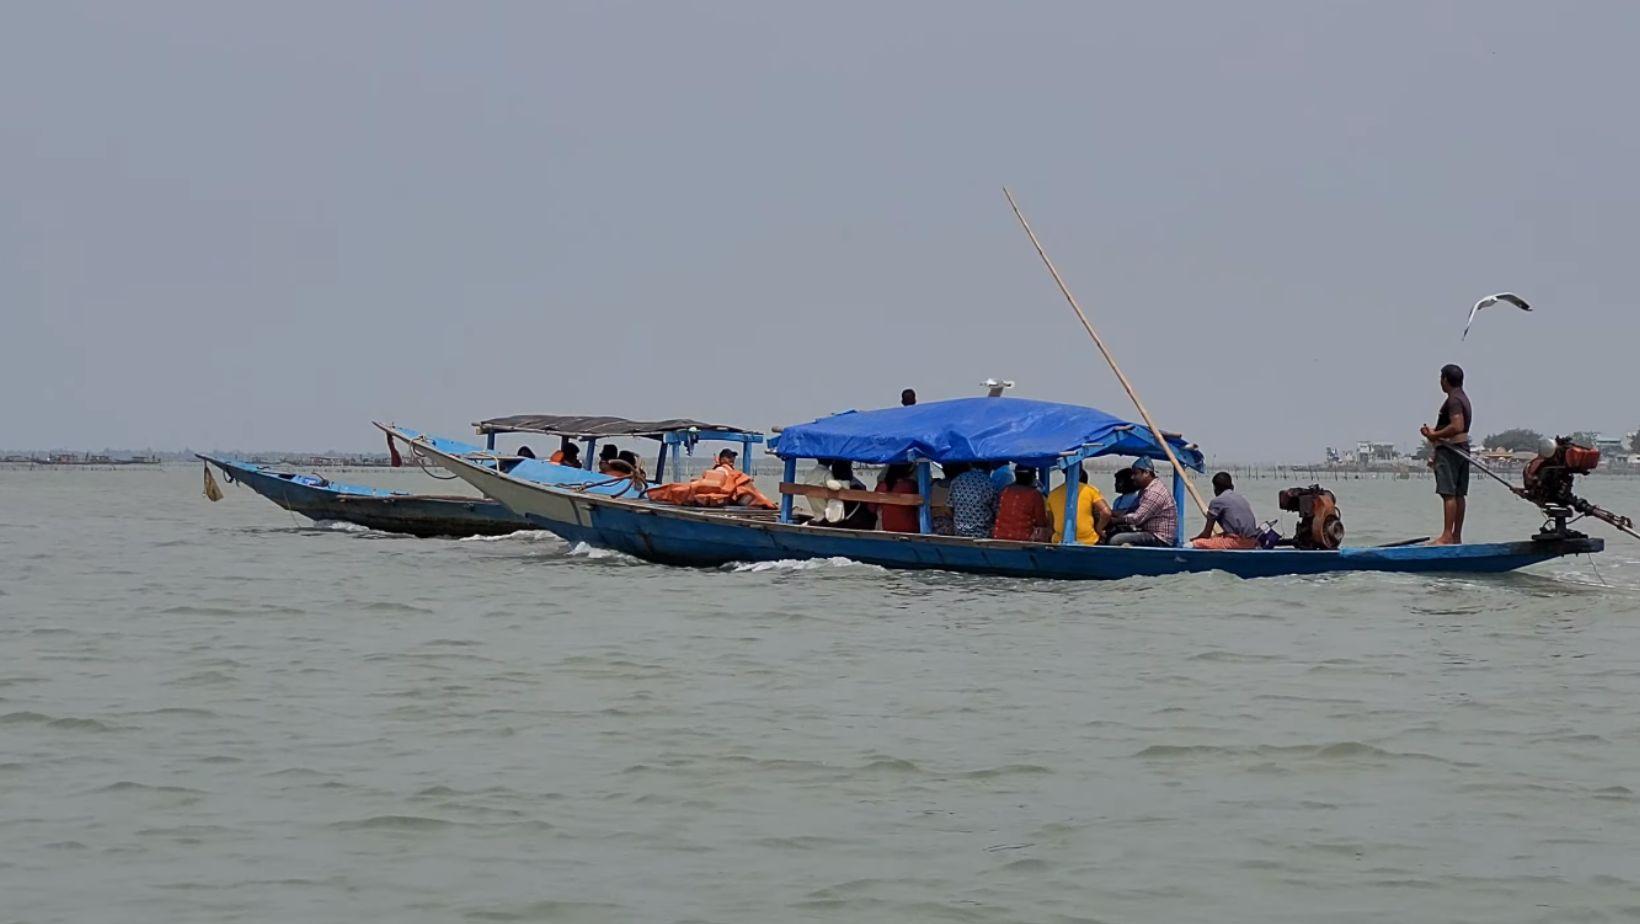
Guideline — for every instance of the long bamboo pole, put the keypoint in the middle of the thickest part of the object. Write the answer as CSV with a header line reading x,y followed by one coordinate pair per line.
x,y
1161,438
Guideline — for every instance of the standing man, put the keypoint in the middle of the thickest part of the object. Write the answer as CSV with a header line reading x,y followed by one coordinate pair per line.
x,y
1451,429
908,397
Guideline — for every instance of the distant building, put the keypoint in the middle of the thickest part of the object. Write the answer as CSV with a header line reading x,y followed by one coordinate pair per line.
x,y
1368,452
1504,458
1610,446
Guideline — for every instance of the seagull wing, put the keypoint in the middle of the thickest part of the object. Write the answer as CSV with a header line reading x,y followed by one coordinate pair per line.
x,y
1474,311
1491,300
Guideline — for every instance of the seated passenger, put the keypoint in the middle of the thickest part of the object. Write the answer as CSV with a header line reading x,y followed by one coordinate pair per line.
x,y
818,475
973,503
895,518
854,514
1127,495
1092,513
939,500
722,485
607,455
1002,475
568,454
1021,514
1155,520
1232,514
630,459
619,468
523,453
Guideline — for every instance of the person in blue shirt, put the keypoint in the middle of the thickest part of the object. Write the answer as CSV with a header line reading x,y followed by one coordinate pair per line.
x,y
1127,494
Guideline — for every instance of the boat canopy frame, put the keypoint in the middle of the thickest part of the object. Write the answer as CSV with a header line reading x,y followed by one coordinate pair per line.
x,y
1118,438
674,434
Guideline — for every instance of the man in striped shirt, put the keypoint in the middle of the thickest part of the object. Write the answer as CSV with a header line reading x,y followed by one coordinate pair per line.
x,y
1155,520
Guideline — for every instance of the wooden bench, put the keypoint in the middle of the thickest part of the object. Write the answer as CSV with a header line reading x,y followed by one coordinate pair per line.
x,y
853,495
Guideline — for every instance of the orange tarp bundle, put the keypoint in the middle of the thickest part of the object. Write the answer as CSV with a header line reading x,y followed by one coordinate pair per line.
x,y
717,487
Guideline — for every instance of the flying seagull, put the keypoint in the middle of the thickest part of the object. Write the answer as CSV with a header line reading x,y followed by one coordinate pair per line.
x,y
994,388
1488,302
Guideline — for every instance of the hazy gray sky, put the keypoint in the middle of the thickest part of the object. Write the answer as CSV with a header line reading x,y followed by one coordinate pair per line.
x,y
260,225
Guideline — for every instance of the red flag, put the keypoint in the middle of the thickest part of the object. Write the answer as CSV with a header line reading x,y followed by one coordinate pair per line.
x,y
393,452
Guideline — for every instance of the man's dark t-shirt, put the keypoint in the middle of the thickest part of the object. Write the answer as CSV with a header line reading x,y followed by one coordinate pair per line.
x,y
1456,403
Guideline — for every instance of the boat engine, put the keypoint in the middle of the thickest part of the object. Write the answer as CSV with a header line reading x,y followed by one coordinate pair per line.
x,y
1548,478
1320,525
1547,482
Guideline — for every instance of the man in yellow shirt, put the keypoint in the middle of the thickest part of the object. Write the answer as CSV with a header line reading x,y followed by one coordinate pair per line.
x,y
1092,513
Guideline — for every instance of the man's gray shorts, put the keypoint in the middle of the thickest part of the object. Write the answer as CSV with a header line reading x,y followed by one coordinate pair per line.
x,y
1451,473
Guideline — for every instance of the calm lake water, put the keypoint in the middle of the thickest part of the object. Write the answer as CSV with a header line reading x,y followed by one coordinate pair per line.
x,y
218,712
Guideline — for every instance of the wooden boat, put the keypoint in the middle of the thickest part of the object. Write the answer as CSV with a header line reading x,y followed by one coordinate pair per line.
x,y
1040,434
319,498
428,515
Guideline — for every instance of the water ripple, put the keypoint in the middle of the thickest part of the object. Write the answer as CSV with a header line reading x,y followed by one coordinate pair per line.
x,y
248,719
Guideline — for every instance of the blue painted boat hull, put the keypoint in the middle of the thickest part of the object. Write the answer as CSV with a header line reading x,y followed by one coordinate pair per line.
x,y
389,511
682,536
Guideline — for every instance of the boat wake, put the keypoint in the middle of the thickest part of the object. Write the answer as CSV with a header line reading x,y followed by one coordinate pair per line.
x,y
1617,573
593,553
794,564
339,526
523,535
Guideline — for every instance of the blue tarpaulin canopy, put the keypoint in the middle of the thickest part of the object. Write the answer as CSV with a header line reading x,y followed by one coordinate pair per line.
x,y
977,430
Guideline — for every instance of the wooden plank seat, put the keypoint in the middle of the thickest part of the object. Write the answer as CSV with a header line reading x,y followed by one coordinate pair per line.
x,y
889,498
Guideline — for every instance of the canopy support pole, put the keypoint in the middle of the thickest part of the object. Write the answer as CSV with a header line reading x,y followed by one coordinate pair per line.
x,y
489,441
746,457
1161,438
660,463
925,487
1073,494
786,499
1178,510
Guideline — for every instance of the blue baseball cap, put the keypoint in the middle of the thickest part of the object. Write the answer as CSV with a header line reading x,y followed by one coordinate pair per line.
x,y
1143,465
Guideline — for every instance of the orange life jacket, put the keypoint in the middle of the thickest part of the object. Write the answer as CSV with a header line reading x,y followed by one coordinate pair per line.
x,y
717,487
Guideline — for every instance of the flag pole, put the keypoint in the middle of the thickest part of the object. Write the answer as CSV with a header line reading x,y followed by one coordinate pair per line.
x,y
1161,438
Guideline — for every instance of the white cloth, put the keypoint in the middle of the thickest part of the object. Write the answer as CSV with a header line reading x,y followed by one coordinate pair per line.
x,y
830,511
